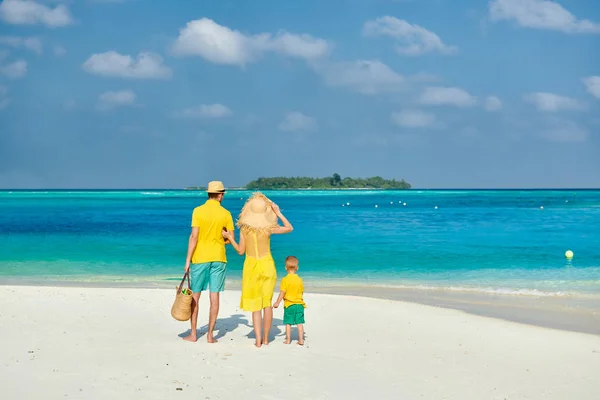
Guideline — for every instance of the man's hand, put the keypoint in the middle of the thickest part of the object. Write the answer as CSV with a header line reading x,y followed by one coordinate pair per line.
x,y
276,305
186,269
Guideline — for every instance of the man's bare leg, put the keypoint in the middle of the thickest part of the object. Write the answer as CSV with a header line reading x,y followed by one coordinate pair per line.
x,y
194,318
301,334
268,321
257,322
288,334
212,317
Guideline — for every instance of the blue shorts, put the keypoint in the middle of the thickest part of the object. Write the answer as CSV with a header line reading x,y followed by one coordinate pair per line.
x,y
208,274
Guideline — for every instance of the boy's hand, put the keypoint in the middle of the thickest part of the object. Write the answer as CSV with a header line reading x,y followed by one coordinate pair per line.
x,y
276,305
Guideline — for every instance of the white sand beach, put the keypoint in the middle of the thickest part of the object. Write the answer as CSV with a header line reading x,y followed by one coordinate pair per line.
x,y
100,343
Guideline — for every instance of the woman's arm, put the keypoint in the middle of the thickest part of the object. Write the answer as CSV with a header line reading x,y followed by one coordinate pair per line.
x,y
239,247
287,227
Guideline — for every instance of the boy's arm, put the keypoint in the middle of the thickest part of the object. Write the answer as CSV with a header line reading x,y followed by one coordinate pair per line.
x,y
281,295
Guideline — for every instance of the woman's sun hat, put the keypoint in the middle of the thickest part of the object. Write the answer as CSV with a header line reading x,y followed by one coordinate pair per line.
x,y
257,214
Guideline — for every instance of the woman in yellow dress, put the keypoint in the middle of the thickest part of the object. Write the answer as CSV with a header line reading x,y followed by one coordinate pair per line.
x,y
257,222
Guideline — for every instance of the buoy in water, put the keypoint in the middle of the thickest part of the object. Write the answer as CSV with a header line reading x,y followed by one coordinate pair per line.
x,y
404,204
542,207
569,254
436,207
376,206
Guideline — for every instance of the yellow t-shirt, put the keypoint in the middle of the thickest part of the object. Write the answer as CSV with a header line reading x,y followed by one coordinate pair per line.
x,y
211,218
293,287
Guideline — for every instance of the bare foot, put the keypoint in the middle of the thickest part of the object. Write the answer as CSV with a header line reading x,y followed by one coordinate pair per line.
x,y
265,342
258,343
211,339
287,341
300,343
191,338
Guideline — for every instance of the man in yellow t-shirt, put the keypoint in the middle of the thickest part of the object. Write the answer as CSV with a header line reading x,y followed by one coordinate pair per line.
x,y
291,291
206,259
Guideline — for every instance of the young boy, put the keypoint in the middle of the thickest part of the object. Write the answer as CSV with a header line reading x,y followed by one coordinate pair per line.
x,y
291,292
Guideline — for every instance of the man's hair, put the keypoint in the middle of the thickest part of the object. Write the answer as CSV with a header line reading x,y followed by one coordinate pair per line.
x,y
291,261
214,195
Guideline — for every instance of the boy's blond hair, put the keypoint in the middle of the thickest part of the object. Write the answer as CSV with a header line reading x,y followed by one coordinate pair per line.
x,y
291,262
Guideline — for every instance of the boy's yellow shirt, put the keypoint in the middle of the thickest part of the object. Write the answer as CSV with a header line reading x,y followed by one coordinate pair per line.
x,y
293,287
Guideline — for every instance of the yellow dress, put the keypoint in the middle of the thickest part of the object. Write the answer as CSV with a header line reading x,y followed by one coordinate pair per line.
x,y
259,277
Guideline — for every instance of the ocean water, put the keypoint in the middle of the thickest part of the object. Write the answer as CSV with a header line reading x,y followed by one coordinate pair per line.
x,y
488,241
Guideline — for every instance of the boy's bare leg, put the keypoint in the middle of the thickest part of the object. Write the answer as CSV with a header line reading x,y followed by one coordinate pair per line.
x,y
288,334
301,334
268,321
194,318
212,319
257,322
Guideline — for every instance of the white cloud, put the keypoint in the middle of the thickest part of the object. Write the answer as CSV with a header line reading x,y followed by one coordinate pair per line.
x,y
492,103
207,111
447,96
112,99
550,102
59,51
565,131
145,66
4,99
29,12
592,84
222,45
296,121
362,76
413,119
17,69
414,40
540,14
31,43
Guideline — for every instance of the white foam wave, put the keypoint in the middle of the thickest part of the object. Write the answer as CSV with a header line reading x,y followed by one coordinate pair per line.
x,y
490,290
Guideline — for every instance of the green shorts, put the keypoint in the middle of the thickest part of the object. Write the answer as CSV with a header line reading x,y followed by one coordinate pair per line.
x,y
208,274
293,315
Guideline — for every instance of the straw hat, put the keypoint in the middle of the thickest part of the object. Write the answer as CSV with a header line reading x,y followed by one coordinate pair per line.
x,y
215,187
257,214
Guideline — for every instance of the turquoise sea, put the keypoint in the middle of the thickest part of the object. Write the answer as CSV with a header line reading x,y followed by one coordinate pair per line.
x,y
489,241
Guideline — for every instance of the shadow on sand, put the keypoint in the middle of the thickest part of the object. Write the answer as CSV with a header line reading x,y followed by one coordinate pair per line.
x,y
275,330
222,327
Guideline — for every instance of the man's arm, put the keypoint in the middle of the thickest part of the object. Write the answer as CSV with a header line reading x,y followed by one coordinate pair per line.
x,y
191,247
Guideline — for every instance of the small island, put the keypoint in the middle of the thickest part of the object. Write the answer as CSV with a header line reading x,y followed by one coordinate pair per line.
x,y
334,182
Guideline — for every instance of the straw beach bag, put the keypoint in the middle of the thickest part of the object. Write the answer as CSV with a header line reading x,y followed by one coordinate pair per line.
x,y
182,307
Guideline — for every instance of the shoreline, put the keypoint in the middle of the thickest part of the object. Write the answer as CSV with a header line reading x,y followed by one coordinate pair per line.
x,y
567,313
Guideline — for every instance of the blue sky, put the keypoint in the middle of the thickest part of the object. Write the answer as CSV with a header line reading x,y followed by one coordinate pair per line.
x,y
166,94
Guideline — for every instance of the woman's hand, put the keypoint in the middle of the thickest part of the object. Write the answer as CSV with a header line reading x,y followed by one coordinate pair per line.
x,y
275,208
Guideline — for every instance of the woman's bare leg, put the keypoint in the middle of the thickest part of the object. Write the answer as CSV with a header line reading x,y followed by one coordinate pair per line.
x,y
257,322
268,321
